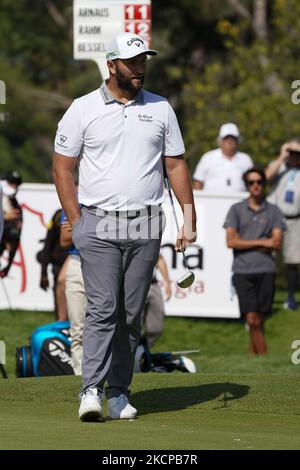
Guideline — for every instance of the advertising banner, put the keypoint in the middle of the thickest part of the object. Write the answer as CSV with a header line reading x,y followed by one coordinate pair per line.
x,y
211,295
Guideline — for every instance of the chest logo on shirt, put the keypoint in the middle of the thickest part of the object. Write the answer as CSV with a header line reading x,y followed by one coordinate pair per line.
x,y
145,118
62,138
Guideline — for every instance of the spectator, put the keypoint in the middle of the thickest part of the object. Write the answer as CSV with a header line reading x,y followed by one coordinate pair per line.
x,y
54,254
75,294
154,312
13,218
254,230
221,169
284,174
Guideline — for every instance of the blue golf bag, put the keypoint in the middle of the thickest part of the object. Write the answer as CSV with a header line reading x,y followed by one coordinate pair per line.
x,y
49,352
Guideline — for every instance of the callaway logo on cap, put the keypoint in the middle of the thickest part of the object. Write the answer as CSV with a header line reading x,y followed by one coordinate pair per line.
x,y
126,46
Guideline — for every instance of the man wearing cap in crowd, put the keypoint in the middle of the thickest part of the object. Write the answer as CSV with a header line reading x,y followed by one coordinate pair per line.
x,y
121,135
222,169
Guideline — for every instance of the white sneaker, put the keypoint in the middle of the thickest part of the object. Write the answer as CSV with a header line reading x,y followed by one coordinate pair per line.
x,y
90,405
120,408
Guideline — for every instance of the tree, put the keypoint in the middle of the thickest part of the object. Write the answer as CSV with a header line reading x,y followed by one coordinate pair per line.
x,y
250,84
218,61
41,78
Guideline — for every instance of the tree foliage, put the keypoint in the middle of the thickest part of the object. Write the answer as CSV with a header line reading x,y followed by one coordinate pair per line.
x,y
251,84
219,61
36,63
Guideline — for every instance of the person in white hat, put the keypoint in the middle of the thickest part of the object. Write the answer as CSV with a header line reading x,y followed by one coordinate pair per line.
x,y
222,169
122,136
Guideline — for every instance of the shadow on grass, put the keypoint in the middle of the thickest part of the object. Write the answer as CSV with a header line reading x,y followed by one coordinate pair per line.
x,y
177,398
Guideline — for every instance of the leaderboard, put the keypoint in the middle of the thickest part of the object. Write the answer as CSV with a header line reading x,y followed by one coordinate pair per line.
x,y
96,21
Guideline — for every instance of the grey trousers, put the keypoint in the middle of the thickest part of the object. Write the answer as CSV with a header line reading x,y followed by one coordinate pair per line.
x,y
118,256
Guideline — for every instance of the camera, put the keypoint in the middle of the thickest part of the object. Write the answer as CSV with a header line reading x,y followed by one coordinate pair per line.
x,y
293,152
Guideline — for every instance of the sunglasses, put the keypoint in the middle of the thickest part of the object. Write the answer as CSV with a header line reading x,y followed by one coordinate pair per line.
x,y
260,182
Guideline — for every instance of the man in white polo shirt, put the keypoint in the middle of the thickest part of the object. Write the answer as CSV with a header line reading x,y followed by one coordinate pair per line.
x,y
120,136
222,169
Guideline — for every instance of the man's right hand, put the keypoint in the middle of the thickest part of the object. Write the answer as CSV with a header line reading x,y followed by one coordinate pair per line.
x,y
73,221
285,150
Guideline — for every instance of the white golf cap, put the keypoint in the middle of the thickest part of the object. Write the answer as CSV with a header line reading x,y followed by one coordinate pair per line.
x,y
126,46
229,129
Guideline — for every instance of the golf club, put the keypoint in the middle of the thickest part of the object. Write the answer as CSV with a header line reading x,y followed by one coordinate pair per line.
x,y
191,351
188,278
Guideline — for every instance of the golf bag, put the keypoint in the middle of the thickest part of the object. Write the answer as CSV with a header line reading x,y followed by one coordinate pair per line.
x,y
49,352
145,361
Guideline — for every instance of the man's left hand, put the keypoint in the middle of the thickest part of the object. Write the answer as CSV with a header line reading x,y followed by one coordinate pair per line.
x,y
186,236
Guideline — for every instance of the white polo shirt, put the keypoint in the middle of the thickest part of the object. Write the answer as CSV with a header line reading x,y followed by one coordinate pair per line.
x,y
120,148
221,174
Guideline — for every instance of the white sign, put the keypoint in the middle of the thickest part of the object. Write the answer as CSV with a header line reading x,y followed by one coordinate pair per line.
x,y
97,21
211,294
21,288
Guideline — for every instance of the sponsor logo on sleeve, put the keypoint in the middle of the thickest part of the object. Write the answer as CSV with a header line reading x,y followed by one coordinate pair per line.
x,y
61,139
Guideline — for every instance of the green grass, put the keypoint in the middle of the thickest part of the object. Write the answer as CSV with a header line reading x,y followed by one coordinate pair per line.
x,y
235,401
176,411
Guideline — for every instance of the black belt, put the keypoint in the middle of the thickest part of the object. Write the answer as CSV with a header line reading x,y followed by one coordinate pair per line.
x,y
292,216
132,214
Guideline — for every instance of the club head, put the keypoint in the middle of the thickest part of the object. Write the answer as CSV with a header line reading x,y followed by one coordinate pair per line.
x,y
186,280
186,365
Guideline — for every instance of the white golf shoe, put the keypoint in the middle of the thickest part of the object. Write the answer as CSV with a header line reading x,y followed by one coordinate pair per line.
x,y
120,408
90,405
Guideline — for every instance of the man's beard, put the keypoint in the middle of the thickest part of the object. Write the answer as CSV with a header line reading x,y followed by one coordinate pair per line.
x,y
126,84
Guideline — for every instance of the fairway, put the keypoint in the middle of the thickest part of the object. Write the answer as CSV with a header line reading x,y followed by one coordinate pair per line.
x,y
176,411
235,401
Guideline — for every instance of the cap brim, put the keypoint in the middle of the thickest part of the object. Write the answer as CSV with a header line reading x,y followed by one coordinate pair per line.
x,y
135,54
229,135
151,52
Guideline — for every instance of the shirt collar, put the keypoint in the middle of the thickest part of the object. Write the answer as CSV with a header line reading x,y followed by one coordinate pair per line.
x,y
234,157
262,207
108,98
